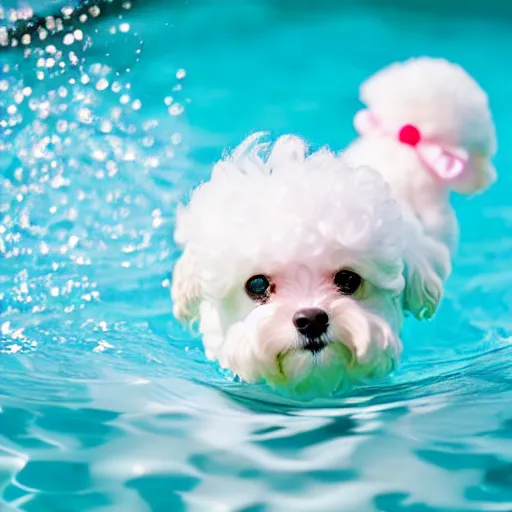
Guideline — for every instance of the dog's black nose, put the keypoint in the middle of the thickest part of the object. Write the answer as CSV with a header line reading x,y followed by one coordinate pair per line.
x,y
311,322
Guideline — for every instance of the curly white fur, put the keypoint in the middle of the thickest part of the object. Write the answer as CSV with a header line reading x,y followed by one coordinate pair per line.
x,y
274,210
449,108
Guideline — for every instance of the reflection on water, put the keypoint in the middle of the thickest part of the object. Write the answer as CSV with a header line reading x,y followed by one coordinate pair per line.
x,y
106,402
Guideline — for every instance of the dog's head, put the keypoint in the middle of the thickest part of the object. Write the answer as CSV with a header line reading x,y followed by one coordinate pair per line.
x,y
294,266
445,104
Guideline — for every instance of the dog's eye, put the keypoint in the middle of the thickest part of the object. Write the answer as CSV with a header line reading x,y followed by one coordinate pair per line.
x,y
258,287
347,282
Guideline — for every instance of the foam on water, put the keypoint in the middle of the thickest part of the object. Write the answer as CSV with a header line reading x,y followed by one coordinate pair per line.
x,y
106,402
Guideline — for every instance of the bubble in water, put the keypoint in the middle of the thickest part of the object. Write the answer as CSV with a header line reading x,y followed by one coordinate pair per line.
x,y
78,35
181,73
124,27
168,100
136,105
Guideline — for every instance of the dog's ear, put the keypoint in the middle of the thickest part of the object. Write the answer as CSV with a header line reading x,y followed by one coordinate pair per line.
x,y
185,289
427,266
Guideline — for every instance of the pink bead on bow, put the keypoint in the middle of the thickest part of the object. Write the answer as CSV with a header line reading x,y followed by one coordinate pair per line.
x,y
445,162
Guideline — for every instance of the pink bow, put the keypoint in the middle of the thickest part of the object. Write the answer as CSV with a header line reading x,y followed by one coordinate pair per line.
x,y
446,163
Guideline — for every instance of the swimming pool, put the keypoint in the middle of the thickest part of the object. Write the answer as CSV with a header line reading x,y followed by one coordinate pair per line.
x,y
106,402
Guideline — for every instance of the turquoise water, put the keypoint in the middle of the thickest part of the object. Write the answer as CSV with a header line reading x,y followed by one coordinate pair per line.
x,y
107,404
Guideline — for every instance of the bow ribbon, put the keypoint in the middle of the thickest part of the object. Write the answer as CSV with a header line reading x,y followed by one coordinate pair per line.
x,y
447,163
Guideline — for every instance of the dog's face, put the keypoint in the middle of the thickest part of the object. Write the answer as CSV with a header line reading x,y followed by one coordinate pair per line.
x,y
308,328
295,269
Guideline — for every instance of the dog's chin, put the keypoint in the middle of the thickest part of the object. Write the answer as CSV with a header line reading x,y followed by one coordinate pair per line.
x,y
333,370
309,375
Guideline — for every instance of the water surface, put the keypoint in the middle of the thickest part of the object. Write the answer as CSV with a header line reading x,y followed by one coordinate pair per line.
x,y
107,404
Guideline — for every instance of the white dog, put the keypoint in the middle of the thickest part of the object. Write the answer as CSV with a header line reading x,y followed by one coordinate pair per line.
x,y
427,129
299,268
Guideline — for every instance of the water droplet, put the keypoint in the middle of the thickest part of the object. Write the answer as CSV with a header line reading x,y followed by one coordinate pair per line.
x,y
99,155
94,11
85,115
102,84
176,109
67,10
106,126
62,125
68,39
73,241
44,249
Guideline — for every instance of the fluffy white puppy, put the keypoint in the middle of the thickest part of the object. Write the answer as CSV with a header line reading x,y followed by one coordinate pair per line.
x,y
427,128
299,268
